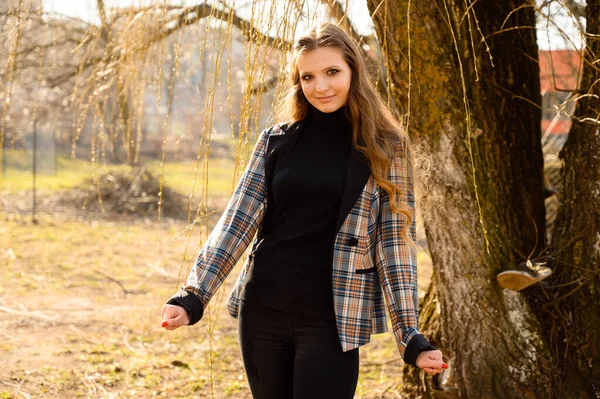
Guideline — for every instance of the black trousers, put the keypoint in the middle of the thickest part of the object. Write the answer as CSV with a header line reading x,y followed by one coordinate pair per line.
x,y
290,357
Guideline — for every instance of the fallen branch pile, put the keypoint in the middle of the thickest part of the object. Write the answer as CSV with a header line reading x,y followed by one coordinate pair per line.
x,y
133,193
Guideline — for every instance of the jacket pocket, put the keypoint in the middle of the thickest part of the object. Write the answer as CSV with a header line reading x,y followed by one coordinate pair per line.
x,y
365,271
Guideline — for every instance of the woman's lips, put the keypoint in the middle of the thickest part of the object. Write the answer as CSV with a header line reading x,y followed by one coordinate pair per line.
x,y
326,99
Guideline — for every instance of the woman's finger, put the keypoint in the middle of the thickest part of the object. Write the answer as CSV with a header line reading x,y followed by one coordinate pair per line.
x,y
437,363
433,359
170,324
432,370
175,320
171,312
171,328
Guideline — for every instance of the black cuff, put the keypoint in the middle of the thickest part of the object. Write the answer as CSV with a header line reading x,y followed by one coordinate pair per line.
x,y
190,302
416,345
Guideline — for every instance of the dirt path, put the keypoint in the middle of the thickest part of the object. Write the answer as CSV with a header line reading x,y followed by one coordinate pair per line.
x,y
79,317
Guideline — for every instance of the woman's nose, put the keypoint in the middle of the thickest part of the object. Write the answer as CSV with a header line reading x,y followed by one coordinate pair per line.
x,y
322,85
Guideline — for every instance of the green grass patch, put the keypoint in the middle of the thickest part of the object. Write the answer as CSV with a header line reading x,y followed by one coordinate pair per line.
x,y
71,172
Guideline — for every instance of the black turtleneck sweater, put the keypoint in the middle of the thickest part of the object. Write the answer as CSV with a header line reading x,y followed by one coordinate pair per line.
x,y
291,268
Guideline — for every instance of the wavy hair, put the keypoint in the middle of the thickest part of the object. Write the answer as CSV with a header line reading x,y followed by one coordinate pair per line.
x,y
375,131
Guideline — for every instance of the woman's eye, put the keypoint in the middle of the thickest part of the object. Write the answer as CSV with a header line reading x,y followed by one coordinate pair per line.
x,y
332,71
306,77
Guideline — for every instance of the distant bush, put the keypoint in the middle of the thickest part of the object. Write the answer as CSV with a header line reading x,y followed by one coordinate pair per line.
x,y
133,193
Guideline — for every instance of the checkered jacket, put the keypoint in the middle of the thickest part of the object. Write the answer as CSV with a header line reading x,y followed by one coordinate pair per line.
x,y
371,261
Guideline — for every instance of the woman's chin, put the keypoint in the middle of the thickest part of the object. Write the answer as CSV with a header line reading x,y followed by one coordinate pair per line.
x,y
327,107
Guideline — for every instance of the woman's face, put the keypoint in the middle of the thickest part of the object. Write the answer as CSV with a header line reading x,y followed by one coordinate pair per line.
x,y
325,78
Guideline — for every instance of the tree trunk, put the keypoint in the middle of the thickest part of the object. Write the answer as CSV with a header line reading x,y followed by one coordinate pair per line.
x,y
477,126
573,311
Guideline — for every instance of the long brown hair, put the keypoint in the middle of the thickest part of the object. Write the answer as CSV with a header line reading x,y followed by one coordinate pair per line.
x,y
375,131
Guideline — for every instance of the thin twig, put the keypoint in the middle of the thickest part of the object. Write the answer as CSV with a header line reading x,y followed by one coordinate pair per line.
x,y
387,389
26,313
82,335
381,363
114,280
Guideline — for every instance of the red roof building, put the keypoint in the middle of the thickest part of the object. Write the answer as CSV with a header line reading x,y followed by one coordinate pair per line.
x,y
560,72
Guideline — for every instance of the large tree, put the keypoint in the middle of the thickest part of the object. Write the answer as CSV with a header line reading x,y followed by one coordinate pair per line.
x,y
469,74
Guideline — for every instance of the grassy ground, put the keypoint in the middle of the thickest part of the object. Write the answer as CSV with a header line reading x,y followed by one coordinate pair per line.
x,y
79,317
80,304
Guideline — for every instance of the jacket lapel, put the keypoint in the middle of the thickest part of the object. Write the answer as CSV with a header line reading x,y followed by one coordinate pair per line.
x,y
356,177
279,147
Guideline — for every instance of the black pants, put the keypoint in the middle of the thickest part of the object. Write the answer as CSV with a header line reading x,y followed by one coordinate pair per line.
x,y
289,357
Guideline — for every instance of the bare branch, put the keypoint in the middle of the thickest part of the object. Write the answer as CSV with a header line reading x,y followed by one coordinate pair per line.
x,y
83,27
185,16
65,77
578,10
104,29
190,15
26,313
114,280
102,12
336,9
48,45
268,85
53,19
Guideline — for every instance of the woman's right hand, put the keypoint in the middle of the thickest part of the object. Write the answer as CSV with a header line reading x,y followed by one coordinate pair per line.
x,y
431,362
174,316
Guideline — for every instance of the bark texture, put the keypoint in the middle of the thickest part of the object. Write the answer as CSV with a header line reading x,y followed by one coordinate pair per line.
x,y
477,126
572,313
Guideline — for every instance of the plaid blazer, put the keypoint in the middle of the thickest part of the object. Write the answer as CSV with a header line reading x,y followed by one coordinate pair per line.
x,y
371,261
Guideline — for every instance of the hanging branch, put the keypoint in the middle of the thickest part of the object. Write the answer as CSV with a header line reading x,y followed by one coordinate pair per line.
x,y
337,11
104,25
185,16
577,9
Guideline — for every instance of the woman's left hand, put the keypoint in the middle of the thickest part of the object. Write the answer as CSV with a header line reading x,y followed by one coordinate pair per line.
x,y
431,362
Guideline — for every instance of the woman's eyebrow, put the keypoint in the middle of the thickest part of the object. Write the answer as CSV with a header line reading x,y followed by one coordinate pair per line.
x,y
324,69
332,67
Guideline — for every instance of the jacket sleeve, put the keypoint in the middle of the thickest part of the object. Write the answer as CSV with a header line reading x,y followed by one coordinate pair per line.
x,y
229,238
396,260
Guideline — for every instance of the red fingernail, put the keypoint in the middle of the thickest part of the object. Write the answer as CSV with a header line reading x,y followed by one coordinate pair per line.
x,y
164,324
444,366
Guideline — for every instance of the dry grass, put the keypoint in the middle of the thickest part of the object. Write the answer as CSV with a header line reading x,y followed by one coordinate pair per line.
x,y
79,317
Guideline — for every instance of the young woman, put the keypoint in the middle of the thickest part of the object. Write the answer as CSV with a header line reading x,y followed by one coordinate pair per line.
x,y
329,199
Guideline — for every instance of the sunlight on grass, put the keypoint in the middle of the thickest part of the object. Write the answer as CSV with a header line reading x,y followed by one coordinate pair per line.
x,y
71,172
